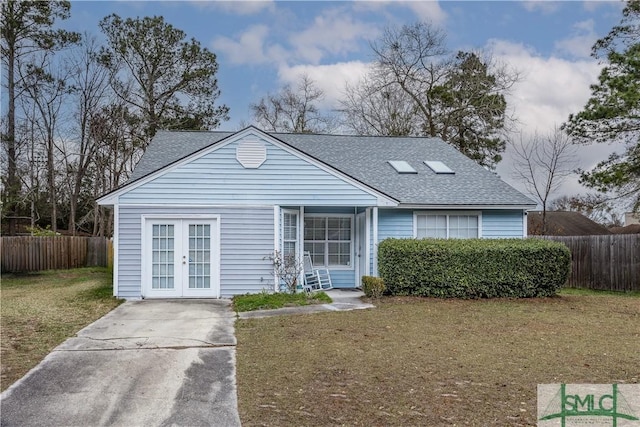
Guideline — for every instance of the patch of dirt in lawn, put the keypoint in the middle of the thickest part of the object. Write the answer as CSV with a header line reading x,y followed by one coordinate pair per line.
x,y
431,362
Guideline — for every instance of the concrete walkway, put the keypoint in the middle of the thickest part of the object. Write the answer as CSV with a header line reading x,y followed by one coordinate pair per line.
x,y
146,363
343,300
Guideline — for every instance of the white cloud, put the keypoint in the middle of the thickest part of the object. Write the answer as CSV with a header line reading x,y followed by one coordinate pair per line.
x,y
544,6
578,45
330,78
551,88
427,11
249,48
238,7
333,32
593,5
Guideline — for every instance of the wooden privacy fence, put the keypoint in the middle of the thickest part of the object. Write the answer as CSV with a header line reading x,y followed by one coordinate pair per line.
x,y
608,262
32,253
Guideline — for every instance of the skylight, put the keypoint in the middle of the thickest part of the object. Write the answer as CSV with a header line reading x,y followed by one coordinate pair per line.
x,y
401,166
438,167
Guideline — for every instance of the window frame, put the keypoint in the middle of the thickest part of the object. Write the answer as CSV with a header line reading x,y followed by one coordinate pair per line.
x,y
326,240
448,214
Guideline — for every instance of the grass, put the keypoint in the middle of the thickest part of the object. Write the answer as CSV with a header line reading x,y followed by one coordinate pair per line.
x,y
413,361
268,301
40,310
595,292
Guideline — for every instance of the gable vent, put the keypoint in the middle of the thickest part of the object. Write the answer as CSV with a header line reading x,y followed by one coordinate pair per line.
x,y
438,167
251,153
401,166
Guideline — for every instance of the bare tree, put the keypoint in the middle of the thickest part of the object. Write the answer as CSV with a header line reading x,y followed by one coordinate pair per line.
x,y
541,162
45,85
293,109
26,28
90,84
416,87
371,107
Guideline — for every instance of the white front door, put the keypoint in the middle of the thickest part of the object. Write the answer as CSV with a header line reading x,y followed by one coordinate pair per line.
x,y
181,258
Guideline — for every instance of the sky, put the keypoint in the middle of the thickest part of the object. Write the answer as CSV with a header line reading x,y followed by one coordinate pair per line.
x,y
261,46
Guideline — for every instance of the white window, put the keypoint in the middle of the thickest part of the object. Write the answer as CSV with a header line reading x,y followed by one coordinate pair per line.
x,y
329,240
289,233
447,226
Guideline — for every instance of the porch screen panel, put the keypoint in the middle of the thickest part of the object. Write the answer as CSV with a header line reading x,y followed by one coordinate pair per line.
x,y
199,256
162,256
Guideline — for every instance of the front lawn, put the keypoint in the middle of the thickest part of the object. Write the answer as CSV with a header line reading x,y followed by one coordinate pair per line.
x,y
41,310
414,361
269,301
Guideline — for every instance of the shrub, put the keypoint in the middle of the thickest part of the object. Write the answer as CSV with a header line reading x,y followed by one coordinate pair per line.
x,y
474,268
373,287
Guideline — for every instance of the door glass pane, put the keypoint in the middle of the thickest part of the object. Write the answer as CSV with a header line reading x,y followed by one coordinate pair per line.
x,y
199,256
162,244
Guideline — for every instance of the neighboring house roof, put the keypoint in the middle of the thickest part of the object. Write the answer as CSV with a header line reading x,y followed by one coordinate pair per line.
x,y
627,229
563,223
365,158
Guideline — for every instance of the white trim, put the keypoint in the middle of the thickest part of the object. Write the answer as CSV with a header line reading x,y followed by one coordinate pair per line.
x,y
375,241
112,197
174,215
187,205
352,239
301,243
276,244
466,207
215,250
525,224
116,251
447,213
367,261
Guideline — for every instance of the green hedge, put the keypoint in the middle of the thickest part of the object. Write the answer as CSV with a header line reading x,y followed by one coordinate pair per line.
x,y
475,268
373,287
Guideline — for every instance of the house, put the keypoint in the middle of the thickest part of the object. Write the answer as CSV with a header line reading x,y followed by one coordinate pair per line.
x,y
564,223
203,211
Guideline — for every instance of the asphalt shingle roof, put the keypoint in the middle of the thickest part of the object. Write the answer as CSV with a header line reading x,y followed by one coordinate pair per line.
x,y
365,158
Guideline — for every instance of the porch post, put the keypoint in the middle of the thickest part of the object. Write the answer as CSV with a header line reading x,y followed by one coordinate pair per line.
x,y
369,245
375,241
300,244
276,244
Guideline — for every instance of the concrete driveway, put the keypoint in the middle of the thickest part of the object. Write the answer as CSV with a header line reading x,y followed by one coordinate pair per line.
x,y
146,363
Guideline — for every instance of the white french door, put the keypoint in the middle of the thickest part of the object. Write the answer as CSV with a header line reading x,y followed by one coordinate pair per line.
x,y
181,258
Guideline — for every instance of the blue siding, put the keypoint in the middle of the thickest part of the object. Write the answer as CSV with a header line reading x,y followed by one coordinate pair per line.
x,y
343,278
218,178
396,223
502,224
246,238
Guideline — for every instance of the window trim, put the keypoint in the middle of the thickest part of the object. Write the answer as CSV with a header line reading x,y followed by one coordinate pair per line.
x,y
447,213
351,217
